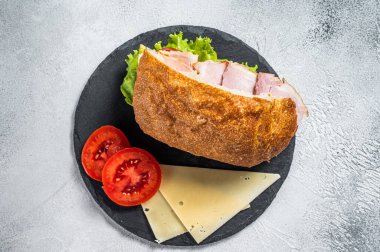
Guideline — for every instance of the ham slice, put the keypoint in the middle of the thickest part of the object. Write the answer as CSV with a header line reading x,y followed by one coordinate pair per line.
x,y
211,72
288,91
239,77
178,61
185,57
268,83
265,81
233,77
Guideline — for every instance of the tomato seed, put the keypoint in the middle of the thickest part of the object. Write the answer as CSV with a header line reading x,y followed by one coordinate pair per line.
x,y
102,150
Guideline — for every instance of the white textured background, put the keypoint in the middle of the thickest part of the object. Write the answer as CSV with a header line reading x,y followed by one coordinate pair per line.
x,y
329,50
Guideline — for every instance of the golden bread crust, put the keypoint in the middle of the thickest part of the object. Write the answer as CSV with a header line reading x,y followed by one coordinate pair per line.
x,y
208,121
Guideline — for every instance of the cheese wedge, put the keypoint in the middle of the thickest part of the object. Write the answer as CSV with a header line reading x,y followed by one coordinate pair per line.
x,y
163,221
205,199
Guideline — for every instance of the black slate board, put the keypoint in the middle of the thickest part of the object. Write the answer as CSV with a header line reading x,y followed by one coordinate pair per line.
x,y
101,103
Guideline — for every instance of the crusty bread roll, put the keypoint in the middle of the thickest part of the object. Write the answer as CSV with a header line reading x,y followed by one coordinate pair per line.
x,y
209,121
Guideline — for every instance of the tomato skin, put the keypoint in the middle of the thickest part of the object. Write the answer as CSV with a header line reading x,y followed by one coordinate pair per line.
x,y
102,144
131,177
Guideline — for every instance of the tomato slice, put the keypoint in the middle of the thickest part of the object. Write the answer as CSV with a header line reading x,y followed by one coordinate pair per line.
x,y
131,177
99,147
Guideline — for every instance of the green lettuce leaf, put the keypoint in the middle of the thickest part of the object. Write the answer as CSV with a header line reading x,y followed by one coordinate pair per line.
x,y
158,46
252,69
129,80
201,46
176,41
204,49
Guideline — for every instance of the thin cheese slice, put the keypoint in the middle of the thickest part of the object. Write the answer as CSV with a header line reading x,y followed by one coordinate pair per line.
x,y
163,221
246,207
205,199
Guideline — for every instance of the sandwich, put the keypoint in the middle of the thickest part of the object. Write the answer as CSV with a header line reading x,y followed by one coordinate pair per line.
x,y
185,97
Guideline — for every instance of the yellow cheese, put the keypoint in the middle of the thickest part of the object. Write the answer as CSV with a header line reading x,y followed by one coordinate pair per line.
x,y
163,221
205,199
246,207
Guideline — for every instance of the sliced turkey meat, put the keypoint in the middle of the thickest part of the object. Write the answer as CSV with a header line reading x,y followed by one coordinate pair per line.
x,y
211,72
237,76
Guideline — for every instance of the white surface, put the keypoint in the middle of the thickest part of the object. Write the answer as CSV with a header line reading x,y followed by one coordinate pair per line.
x,y
329,51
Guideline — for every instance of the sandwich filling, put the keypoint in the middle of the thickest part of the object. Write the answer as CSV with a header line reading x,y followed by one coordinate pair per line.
x,y
232,77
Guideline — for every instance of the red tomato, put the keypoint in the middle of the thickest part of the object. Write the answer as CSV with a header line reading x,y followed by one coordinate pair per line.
x,y
131,177
99,147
